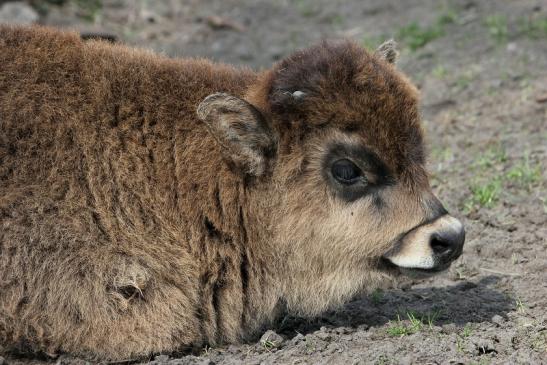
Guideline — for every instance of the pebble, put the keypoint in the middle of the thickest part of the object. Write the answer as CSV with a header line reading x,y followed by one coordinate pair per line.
x,y
18,12
484,346
298,338
161,358
497,319
272,339
325,336
449,328
511,47
407,360
149,16
2,361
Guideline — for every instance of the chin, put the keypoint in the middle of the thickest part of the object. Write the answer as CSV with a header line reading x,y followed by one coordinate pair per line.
x,y
386,267
421,273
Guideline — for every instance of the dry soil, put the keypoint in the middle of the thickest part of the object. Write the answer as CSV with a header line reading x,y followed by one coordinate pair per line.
x,y
482,69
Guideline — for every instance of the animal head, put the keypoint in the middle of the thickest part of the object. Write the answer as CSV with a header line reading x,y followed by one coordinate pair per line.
x,y
332,135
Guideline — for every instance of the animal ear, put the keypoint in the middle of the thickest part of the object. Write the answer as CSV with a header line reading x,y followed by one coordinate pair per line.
x,y
241,131
388,51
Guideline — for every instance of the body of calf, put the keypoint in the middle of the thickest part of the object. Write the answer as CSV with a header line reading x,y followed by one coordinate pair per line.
x,y
149,204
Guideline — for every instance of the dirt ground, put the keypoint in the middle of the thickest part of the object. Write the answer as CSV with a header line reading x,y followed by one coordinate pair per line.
x,y
482,69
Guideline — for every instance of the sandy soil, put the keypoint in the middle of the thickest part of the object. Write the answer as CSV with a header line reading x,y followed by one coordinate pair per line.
x,y
482,70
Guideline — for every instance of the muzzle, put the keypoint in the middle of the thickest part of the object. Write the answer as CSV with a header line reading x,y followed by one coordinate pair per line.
x,y
430,247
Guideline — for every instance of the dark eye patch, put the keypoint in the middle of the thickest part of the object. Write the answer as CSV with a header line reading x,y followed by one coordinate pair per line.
x,y
354,171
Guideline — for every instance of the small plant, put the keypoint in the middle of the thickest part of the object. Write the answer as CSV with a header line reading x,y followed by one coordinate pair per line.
x,y
336,20
534,28
464,80
431,318
415,323
449,16
440,72
205,351
415,36
521,308
459,344
487,194
268,345
399,329
497,27
492,156
377,296
466,332
461,272
484,195
270,341
305,8
544,202
524,173
539,343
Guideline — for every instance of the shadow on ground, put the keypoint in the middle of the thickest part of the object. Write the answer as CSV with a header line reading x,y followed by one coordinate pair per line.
x,y
465,302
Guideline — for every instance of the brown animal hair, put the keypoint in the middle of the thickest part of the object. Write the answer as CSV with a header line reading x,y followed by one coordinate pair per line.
x,y
150,205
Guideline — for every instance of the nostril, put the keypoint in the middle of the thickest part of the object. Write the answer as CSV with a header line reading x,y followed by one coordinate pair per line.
x,y
440,246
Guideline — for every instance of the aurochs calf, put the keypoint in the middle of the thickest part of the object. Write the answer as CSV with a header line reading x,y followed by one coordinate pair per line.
x,y
150,204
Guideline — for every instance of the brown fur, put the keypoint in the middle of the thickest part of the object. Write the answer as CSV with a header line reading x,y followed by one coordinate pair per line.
x,y
127,229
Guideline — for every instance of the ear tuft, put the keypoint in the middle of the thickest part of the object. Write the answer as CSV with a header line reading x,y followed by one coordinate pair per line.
x,y
205,107
240,129
388,51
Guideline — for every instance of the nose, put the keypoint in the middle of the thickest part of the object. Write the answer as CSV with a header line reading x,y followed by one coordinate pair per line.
x,y
432,246
447,242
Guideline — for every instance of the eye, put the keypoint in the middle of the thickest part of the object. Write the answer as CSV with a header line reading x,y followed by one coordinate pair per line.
x,y
346,172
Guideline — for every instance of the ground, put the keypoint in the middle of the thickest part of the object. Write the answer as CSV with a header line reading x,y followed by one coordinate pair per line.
x,y
481,67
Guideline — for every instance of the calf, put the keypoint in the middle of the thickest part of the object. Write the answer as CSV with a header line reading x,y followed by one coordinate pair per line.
x,y
150,204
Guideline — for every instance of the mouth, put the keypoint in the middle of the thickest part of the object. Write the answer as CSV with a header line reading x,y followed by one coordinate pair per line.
x,y
423,273
386,265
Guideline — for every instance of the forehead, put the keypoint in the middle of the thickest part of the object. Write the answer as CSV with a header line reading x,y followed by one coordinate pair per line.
x,y
342,87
